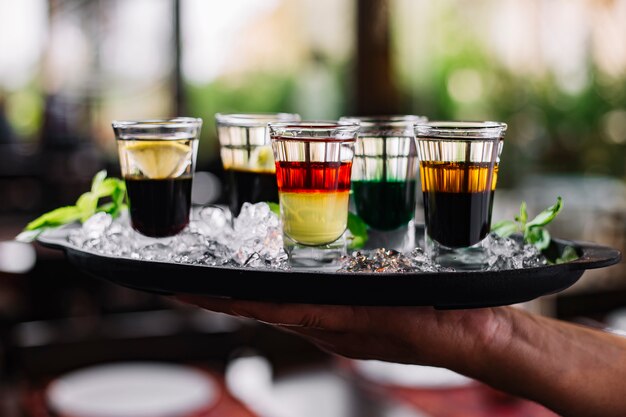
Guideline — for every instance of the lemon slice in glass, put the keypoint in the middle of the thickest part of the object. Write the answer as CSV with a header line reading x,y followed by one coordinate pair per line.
x,y
262,159
159,159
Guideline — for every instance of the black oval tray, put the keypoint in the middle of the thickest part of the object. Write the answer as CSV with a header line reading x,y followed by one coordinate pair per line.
x,y
440,289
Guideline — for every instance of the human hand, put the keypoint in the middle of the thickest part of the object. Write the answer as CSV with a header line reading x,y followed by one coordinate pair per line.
x,y
573,370
417,335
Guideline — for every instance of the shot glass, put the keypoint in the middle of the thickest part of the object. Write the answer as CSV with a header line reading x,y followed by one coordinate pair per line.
x,y
157,160
247,157
313,174
384,179
458,171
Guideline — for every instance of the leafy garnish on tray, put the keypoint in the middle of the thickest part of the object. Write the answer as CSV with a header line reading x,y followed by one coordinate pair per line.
x,y
89,203
274,207
534,231
358,230
356,227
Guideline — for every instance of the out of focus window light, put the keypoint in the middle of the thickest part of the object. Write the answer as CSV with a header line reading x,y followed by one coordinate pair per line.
x,y
136,47
210,35
609,37
68,60
23,29
136,51
264,56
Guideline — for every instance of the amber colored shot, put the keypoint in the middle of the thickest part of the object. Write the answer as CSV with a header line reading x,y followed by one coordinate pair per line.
x,y
450,188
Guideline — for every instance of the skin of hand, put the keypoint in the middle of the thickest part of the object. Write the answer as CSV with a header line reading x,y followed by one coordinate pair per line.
x,y
404,335
573,370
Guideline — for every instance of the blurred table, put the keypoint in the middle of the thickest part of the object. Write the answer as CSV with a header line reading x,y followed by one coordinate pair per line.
x,y
438,393
477,400
33,401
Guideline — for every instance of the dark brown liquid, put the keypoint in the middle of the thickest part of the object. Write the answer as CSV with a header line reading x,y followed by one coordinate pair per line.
x,y
159,208
458,200
250,186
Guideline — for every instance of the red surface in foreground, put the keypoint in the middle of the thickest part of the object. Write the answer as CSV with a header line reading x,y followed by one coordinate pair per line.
x,y
472,400
476,400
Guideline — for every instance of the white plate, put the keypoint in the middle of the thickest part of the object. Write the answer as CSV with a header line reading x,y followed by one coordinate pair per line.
x,y
411,376
132,389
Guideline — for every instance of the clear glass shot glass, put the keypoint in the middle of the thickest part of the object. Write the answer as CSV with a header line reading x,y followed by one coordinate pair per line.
x,y
384,179
247,156
157,160
459,163
313,174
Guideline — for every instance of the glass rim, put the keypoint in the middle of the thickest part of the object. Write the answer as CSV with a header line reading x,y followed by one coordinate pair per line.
x,y
461,129
316,125
254,119
171,123
333,127
386,120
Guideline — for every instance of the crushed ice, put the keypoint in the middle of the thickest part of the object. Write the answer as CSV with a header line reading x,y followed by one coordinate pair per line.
x,y
254,239
502,253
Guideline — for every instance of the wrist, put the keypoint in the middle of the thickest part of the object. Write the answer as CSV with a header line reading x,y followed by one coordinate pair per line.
x,y
487,333
472,339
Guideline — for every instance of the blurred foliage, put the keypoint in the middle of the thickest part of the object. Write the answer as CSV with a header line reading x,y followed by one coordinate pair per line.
x,y
24,111
550,131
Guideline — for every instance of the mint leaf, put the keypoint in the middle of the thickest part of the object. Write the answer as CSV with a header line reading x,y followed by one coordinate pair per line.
x,y
86,206
97,179
358,229
107,187
56,217
547,215
538,236
522,218
274,207
534,231
569,254
505,228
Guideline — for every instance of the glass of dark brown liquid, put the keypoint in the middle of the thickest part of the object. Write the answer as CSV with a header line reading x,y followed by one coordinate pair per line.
x,y
157,160
247,156
459,164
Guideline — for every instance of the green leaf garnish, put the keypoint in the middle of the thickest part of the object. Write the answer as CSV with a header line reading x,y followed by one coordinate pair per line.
x,y
569,254
534,231
505,228
358,230
86,206
547,215
523,214
56,217
538,236
274,207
